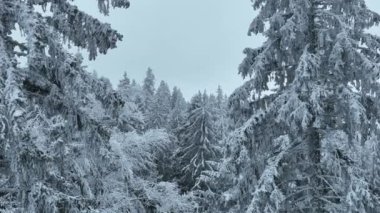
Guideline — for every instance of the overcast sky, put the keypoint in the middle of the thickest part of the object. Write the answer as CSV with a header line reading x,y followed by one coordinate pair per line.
x,y
192,44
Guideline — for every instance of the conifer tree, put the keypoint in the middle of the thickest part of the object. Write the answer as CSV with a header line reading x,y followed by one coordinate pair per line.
x,y
130,118
221,117
48,108
197,144
137,95
149,83
178,109
158,116
59,144
125,82
305,145
220,98
148,91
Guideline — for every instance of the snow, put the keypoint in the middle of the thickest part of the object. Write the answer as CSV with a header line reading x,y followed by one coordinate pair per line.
x,y
301,134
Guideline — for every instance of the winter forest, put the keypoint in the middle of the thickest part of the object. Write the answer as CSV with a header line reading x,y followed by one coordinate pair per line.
x,y
301,134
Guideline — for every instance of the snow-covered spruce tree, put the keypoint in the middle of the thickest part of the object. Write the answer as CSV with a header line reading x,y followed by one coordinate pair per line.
x,y
312,137
149,82
124,83
41,106
178,109
135,187
158,114
222,121
198,147
220,98
136,94
149,90
131,118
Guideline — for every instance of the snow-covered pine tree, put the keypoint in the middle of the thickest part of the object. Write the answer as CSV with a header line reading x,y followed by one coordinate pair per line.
x,y
240,105
149,90
149,83
136,188
197,144
158,115
220,97
158,118
222,121
137,95
178,109
312,98
124,83
131,118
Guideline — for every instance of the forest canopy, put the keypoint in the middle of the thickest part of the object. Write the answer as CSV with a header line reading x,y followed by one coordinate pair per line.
x,y
299,135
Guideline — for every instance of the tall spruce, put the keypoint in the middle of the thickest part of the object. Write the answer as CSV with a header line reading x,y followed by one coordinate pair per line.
x,y
158,115
308,114
41,105
149,83
178,109
198,147
222,121
149,89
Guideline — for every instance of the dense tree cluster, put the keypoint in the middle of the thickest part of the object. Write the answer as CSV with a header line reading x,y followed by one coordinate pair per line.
x,y
300,135
306,120
69,142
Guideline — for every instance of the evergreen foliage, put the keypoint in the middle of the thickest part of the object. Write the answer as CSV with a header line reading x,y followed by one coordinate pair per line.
x,y
300,144
178,110
131,118
197,144
64,145
160,108
300,135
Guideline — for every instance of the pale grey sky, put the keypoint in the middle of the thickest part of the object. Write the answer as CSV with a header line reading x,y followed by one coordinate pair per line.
x,y
192,44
